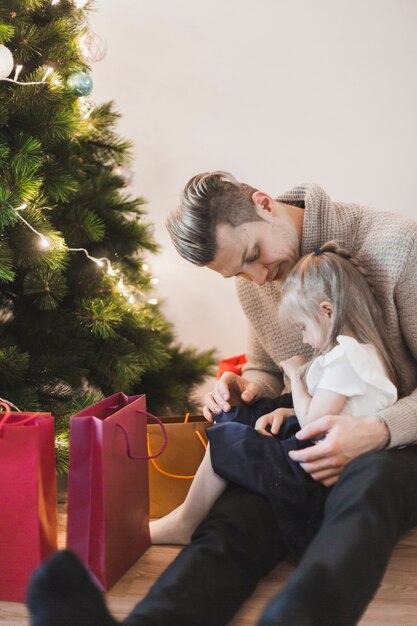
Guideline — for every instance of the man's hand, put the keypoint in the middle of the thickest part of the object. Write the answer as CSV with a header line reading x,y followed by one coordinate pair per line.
x,y
342,439
291,366
229,390
274,420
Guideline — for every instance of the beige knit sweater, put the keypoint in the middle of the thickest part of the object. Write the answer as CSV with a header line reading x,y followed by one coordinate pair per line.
x,y
385,244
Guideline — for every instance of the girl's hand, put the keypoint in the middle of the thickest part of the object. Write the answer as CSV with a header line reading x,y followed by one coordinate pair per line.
x,y
274,420
291,366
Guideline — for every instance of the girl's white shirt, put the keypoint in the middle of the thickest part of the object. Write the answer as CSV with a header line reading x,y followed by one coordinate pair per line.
x,y
354,370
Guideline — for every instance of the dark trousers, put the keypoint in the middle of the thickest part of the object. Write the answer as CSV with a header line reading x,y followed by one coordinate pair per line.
x,y
373,502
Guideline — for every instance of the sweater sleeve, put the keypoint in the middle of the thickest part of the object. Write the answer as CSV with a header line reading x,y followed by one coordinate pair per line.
x,y
261,369
401,418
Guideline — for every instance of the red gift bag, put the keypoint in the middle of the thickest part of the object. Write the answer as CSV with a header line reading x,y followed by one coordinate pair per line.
x,y
28,523
232,364
108,488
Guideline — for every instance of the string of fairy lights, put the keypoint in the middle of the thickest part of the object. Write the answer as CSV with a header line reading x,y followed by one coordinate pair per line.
x,y
103,262
92,48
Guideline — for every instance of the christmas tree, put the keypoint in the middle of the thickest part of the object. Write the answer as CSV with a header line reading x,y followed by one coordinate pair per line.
x,y
77,319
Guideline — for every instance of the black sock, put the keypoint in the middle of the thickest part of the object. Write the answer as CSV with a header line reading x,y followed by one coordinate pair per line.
x,y
61,593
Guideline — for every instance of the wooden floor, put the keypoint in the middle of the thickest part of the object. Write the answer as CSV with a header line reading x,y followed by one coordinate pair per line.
x,y
394,605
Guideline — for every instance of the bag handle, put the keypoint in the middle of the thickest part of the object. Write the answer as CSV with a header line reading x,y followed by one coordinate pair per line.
x,y
7,414
160,470
147,457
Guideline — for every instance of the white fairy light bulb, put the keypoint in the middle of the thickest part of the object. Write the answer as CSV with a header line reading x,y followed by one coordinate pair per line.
x,y
17,71
44,242
131,299
145,267
153,301
49,70
154,280
80,4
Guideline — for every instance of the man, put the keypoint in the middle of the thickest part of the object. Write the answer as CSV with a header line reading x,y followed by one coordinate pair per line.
x,y
237,230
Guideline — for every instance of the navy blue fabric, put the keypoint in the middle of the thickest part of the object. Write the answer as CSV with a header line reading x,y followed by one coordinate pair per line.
x,y
243,456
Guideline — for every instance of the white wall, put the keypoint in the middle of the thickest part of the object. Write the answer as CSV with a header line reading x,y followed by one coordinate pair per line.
x,y
276,91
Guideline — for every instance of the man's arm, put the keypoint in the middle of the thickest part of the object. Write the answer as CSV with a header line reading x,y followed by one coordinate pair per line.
x,y
401,421
401,418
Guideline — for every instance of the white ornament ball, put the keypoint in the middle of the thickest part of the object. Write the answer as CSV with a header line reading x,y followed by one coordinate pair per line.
x,y
6,61
93,47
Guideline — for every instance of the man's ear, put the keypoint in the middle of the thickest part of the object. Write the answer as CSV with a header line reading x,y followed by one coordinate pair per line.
x,y
264,204
327,308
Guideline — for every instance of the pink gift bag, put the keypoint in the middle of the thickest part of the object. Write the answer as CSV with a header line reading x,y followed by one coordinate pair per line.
x,y
108,488
28,522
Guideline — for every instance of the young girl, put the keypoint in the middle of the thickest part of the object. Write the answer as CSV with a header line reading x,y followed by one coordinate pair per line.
x,y
328,297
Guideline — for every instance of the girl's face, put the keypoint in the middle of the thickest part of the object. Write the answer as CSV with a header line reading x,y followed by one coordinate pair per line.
x,y
316,333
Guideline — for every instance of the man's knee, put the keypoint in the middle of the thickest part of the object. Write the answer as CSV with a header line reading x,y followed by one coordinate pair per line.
x,y
312,599
380,483
389,470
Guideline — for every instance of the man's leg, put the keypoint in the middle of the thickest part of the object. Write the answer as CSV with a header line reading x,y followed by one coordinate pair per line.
x,y
230,551
374,501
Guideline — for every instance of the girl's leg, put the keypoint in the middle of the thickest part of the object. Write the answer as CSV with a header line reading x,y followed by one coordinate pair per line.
x,y
178,526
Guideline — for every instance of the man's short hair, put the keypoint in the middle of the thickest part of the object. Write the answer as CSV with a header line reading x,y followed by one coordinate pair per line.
x,y
208,199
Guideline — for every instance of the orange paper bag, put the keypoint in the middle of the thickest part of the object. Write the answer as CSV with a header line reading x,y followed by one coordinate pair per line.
x,y
171,475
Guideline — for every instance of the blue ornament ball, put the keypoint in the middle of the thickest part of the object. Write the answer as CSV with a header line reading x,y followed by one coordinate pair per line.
x,y
80,83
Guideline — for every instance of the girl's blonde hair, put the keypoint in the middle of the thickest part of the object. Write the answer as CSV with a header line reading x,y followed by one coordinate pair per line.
x,y
332,274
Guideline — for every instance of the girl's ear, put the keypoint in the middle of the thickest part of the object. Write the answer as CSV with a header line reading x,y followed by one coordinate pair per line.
x,y
327,308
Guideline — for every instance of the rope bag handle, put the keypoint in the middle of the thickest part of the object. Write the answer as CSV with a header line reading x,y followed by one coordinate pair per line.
x,y
160,470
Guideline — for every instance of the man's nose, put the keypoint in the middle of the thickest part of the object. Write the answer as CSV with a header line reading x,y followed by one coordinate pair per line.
x,y
257,274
